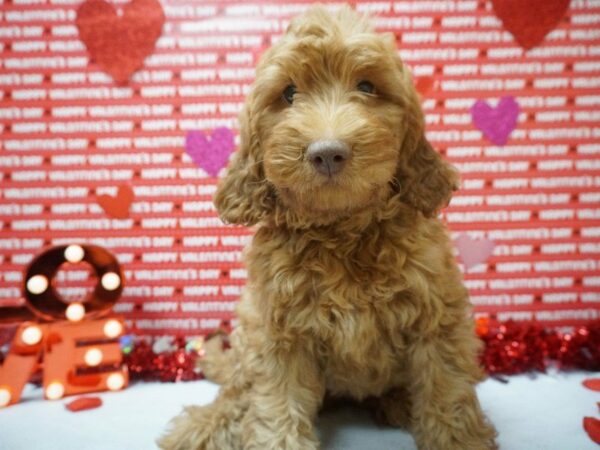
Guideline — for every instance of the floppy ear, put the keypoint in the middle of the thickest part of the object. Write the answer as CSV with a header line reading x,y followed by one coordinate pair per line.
x,y
426,180
423,179
244,196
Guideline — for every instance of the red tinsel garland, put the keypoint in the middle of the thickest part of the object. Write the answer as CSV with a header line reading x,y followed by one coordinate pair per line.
x,y
514,347
510,348
176,365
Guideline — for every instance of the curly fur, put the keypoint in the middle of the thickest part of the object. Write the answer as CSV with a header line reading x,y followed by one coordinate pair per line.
x,y
352,289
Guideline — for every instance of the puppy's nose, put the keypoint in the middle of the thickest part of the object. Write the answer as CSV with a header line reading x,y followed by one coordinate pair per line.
x,y
328,156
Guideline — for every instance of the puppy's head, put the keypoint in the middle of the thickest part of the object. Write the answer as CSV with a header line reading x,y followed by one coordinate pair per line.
x,y
333,125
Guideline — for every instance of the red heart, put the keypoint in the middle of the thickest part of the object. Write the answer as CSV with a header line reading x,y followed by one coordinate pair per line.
x,y
592,383
117,207
592,428
423,85
119,44
82,403
530,21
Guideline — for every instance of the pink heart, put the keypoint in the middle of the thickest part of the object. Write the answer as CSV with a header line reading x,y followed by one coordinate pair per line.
x,y
210,153
496,124
472,251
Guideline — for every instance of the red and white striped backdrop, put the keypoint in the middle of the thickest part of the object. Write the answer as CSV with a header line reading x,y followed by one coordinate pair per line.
x,y
70,134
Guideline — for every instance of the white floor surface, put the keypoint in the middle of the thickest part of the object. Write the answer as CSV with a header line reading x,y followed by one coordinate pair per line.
x,y
544,412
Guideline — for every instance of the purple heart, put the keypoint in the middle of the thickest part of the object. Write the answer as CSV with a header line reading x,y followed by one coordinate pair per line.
x,y
210,153
497,123
473,252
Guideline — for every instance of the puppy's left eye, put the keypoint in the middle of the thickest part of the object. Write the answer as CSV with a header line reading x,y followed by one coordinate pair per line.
x,y
288,93
366,86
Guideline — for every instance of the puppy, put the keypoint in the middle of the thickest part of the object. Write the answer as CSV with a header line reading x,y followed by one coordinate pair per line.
x,y
353,289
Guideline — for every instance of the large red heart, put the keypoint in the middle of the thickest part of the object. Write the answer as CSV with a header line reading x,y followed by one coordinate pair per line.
x,y
530,21
120,43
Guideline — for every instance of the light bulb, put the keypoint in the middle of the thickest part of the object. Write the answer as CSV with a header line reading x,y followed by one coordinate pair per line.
x,y
93,357
37,284
55,390
110,281
75,312
4,397
113,328
115,381
74,253
31,335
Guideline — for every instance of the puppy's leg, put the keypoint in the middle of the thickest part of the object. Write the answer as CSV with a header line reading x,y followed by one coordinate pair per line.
x,y
285,397
216,426
445,411
218,364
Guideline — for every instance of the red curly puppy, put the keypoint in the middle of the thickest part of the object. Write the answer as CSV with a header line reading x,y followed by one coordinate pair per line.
x,y
352,286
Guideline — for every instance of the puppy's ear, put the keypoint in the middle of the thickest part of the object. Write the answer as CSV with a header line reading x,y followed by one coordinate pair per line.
x,y
244,196
425,180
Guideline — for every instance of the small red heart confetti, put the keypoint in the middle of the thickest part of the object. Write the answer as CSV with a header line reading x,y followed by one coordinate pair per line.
x,y
119,43
592,383
473,252
530,21
83,403
211,153
423,85
591,426
117,207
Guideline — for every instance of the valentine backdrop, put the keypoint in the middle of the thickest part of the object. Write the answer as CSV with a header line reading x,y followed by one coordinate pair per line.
x,y
117,122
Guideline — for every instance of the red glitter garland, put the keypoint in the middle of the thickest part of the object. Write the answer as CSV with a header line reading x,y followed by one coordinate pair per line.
x,y
510,348
176,365
514,347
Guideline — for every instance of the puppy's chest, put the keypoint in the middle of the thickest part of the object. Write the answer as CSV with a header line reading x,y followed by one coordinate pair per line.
x,y
360,340
348,302
360,355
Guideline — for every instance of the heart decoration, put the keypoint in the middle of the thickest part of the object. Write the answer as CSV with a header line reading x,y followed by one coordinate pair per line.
x,y
530,21
83,403
120,43
210,153
117,207
591,426
497,123
592,383
423,85
472,251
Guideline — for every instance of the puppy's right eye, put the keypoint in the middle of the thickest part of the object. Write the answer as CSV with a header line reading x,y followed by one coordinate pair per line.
x,y
366,86
288,93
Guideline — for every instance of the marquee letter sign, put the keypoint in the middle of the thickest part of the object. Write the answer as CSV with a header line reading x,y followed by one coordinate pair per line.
x,y
74,344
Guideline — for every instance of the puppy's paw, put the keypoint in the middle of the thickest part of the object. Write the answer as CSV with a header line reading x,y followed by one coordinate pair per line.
x,y
486,439
450,438
186,431
289,443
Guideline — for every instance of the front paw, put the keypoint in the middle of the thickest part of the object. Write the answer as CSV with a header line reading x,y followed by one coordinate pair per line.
x,y
455,438
278,443
199,428
184,433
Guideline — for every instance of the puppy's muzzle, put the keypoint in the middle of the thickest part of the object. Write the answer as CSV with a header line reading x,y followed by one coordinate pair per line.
x,y
328,156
